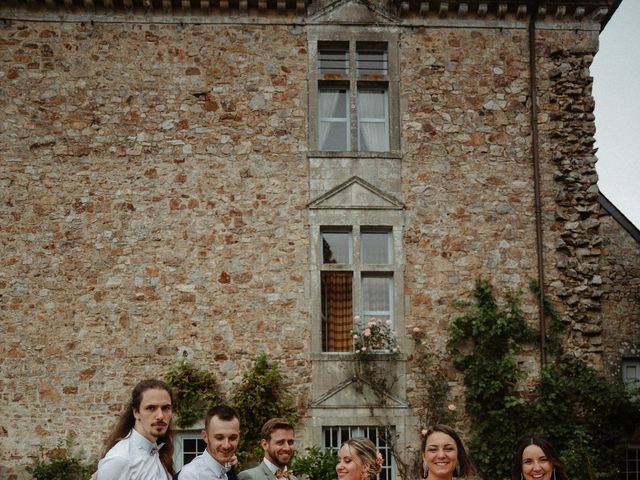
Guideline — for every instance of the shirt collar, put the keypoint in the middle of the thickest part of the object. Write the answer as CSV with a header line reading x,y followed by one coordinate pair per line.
x,y
271,466
217,468
140,441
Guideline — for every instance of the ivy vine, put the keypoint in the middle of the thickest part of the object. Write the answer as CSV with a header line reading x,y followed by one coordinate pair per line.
x,y
259,397
195,391
586,417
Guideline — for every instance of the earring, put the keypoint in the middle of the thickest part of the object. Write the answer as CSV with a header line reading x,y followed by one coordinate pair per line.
x,y
457,471
521,476
425,469
364,475
554,474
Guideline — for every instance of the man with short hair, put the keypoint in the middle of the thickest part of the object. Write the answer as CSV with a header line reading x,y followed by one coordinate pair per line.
x,y
221,434
277,441
140,447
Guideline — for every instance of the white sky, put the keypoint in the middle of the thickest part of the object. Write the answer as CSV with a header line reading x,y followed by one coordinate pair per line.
x,y
616,89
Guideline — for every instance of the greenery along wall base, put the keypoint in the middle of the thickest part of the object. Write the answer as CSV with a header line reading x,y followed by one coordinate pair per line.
x,y
586,417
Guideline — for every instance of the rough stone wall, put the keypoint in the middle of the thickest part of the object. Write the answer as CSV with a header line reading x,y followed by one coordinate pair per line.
x,y
153,193
467,173
621,295
154,190
572,233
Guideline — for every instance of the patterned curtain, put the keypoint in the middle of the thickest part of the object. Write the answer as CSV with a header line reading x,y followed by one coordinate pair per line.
x,y
338,310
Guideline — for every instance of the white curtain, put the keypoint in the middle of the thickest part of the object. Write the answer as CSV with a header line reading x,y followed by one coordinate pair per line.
x,y
373,121
333,120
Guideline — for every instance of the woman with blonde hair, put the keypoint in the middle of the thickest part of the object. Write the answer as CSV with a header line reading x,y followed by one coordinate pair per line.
x,y
358,459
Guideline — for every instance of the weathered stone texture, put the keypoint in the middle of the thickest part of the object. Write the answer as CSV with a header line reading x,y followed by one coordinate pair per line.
x,y
467,170
146,170
154,183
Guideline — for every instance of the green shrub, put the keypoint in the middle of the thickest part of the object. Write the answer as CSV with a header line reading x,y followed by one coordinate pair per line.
x,y
258,398
195,392
316,464
587,418
60,464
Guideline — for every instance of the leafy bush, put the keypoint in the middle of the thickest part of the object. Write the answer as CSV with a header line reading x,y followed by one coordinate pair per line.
x,y
587,418
60,464
258,398
316,464
195,392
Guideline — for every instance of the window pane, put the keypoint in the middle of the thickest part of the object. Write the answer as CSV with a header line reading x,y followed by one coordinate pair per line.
x,y
376,248
335,436
376,296
372,61
373,120
336,247
337,311
333,119
333,59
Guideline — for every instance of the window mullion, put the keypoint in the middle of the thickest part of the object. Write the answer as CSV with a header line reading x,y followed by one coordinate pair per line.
x,y
353,88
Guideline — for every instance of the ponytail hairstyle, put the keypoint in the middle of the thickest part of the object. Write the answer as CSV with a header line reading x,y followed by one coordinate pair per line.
x,y
368,455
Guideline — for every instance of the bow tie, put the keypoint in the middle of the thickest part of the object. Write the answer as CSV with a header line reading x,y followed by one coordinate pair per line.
x,y
154,450
283,473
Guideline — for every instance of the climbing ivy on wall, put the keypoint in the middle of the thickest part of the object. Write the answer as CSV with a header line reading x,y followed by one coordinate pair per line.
x,y
258,398
586,417
194,392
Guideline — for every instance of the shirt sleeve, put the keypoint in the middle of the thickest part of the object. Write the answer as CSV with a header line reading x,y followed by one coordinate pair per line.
x,y
114,468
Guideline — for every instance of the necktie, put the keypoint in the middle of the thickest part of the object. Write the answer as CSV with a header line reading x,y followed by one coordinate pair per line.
x,y
283,473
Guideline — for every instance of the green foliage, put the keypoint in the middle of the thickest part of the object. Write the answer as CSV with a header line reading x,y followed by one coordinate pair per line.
x,y
587,418
60,464
260,397
431,367
195,391
316,464
483,343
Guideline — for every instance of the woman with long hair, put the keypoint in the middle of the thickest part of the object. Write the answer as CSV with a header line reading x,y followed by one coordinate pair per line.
x,y
536,459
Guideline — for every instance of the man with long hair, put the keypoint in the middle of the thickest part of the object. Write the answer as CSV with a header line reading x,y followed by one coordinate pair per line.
x,y
140,447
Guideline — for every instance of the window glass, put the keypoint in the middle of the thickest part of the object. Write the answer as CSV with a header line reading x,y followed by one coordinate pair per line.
x,y
372,61
189,444
337,311
333,125
333,59
336,247
376,296
376,248
333,437
373,120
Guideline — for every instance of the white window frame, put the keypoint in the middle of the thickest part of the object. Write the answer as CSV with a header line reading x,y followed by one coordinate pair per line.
x,y
387,80
178,452
359,270
373,433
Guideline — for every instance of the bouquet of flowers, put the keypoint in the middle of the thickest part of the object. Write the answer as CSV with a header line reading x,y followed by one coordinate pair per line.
x,y
374,336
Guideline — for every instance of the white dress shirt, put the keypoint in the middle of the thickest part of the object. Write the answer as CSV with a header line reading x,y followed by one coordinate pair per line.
x,y
132,458
203,467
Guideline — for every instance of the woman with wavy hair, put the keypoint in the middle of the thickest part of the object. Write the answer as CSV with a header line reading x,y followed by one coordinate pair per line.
x,y
358,459
443,454
536,459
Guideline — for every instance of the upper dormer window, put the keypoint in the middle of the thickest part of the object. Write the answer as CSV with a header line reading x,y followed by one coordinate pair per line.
x,y
352,81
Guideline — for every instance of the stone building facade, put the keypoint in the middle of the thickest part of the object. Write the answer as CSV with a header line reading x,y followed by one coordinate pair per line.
x,y
170,172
